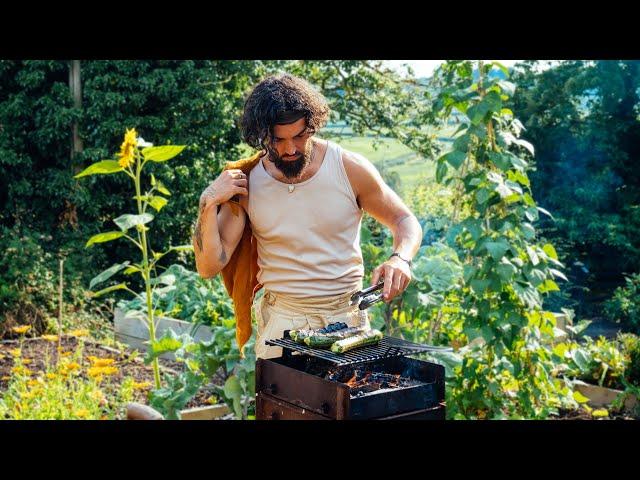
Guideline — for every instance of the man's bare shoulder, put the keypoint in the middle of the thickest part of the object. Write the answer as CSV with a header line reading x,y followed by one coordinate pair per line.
x,y
362,174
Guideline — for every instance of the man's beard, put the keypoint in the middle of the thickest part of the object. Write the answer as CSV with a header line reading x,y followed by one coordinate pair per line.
x,y
291,168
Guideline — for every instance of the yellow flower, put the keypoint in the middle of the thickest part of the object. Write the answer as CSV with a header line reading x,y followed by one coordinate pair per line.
x,y
600,412
21,370
127,148
22,329
32,383
109,370
141,385
50,338
27,395
72,366
26,361
81,332
130,136
101,362
15,352
82,413
51,376
99,371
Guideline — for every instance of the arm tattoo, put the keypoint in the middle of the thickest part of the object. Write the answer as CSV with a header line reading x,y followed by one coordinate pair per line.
x,y
198,231
209,192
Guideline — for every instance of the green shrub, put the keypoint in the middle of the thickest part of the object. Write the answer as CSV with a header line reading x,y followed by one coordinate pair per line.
x,y
27,280
187,296
624,306
631,346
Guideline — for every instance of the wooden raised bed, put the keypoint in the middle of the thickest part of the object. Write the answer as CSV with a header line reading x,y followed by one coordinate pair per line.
x,y
601,396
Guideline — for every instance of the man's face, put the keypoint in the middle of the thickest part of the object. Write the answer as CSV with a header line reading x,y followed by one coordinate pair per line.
x,y
290,149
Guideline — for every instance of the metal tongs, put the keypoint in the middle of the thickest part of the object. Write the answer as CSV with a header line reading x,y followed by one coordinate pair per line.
x,y
367,297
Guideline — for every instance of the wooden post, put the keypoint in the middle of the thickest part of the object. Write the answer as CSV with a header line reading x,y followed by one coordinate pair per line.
x,y
60,305
75,86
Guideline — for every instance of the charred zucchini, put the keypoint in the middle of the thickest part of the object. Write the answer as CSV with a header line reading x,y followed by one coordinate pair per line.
x,y
369,337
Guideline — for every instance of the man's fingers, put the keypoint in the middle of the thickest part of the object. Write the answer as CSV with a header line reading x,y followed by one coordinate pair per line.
x,y
388,282
375,277
398,280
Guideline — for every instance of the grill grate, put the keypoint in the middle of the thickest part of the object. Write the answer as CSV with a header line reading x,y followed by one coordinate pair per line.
x,y
387,347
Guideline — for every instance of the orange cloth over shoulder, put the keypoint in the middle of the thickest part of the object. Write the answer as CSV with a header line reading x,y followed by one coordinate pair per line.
x,y
240,273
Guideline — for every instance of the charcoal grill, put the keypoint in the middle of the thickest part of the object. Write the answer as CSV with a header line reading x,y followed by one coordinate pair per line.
x,y
309,383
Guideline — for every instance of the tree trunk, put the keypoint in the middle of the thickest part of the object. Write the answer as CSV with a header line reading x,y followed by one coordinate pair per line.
x,y
75,86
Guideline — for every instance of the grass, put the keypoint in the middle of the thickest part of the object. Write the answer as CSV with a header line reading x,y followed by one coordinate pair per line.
x,y
393,156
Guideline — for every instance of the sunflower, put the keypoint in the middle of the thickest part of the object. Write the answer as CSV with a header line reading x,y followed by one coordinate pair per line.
x,y
127,148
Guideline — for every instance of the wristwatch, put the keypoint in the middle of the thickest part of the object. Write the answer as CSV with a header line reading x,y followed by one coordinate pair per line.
x,y
395,254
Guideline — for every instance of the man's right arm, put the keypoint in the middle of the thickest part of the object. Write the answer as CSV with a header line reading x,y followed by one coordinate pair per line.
x,y
217,234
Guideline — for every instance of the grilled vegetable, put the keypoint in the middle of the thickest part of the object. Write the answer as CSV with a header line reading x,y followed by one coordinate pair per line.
x,y
367,338
298,336
321,340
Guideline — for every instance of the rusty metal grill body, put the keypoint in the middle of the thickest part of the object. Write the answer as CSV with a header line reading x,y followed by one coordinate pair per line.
x,y
297,385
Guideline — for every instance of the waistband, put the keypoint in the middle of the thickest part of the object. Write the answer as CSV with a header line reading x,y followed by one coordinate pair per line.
x,y
310,305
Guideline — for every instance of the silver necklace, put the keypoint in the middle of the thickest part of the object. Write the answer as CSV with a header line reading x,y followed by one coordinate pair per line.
x,y
292,186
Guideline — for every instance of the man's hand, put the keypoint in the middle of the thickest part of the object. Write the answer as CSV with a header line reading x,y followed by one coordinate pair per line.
x,y
229,183
397,276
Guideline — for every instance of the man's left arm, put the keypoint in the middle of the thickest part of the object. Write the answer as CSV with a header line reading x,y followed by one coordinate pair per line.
x,y
377,199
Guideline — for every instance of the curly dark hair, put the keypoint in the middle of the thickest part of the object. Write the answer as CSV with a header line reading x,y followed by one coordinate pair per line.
x,y
280,100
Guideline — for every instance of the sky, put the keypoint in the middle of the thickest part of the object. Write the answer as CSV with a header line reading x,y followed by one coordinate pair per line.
x,y
425,68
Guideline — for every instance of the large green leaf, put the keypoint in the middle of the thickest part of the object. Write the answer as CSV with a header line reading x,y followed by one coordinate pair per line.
x,y
101,167
455,158
503,162
477,112
126,221
550,250
506,270
490,103
103,237
581,358
107,274
479,285
158,202
461,143
441,171
548,286
528,295
163,153
169,342
482,195
497,249
533,255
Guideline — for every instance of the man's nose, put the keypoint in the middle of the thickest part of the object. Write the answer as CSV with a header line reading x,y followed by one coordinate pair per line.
x,y
290,149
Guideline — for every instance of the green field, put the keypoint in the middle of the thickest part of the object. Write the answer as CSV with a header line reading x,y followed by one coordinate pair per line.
x,y
391,155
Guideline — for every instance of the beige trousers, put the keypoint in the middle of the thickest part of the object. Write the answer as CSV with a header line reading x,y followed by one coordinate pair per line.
x,y
276,313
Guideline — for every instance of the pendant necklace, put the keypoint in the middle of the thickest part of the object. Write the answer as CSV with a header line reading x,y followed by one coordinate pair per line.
x,y
292,187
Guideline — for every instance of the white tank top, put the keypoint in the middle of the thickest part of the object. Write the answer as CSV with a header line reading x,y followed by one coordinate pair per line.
x,y
308,239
